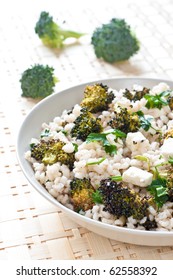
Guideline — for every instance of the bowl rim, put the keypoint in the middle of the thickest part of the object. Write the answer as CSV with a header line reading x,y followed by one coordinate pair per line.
x,y
38,186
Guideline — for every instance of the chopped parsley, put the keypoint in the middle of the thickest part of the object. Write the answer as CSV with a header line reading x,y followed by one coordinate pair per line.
x,y
97,198
143,158
101,137
145,122
116,178
75,147
45,133
158,100
96,162
158,189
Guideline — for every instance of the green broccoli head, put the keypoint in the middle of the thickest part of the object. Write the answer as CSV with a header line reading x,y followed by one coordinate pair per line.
x,y
51,34
38,81
85,124
114,41
81,194
50,152
124,120
97,98
121,201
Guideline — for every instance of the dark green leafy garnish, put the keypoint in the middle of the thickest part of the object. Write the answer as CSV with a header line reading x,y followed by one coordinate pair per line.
x,y
158,100
45,133
158,189
75,147
97,197
101,137
144,121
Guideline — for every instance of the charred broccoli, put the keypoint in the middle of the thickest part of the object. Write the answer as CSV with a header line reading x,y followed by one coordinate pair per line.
x,y
135,94
50,152
38,81
125,121
169,134
149,225
97,98
81,194
51,34
121,201
114,41
85,124
170,102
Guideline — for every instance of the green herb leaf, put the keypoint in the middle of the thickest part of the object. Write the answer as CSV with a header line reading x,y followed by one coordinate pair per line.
x,y
143,158
170,160
110,149
97,198
101,137
116,178
118,133
158,189
157,101
144,121
75,147
64,132
96,162
45,133
32,145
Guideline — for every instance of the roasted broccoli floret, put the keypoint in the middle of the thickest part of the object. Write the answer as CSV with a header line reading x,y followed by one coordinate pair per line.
x,y
121,201
150,225
50,152
169,181
170,102
85,124
135,94
51,34
125,121
168,134
38,81
81,194
97,98
114,41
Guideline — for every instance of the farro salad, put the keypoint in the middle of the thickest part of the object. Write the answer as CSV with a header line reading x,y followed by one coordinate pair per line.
x,y
110,157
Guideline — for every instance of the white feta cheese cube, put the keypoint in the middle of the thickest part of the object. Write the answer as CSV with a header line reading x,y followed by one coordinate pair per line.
x,y
167,147
137,176
137,143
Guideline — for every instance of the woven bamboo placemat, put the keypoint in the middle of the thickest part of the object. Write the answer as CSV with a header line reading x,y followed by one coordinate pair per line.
x,y
30,227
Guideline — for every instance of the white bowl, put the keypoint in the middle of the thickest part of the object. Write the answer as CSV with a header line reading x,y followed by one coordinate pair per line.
x,y
53,106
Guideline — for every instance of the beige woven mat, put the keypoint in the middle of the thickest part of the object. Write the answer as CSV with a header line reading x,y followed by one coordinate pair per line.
x,y
31,227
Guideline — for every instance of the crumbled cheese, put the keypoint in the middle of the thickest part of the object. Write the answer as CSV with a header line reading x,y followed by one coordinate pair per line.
x,y
137,176
167,147
137,142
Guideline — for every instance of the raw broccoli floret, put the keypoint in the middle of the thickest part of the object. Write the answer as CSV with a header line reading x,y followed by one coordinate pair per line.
x,y
50,152
38,81
51,34
125,121
122,201
81,194
85,124
97,97
136,94
114,41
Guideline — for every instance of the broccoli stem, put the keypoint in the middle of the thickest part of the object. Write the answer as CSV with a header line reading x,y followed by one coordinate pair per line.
x,y
70,34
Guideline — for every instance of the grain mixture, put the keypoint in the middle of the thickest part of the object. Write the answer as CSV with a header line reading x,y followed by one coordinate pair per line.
x,y
110,157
